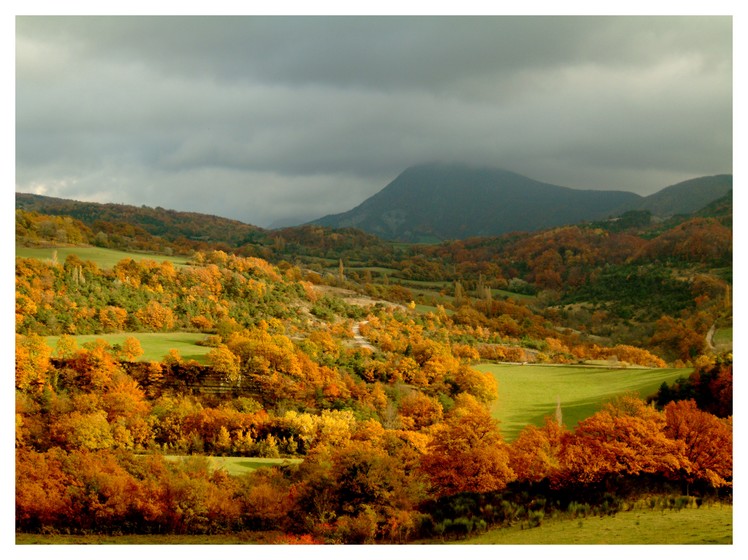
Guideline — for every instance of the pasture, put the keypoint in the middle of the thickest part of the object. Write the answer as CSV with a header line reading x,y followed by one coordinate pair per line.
x,y
103,258
704,525
155,345
528,393
238,466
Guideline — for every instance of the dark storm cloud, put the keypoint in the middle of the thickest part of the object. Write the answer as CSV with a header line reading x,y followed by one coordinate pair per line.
x,y
261,118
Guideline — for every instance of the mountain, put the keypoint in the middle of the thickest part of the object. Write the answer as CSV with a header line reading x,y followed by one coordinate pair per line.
x,y
434,202
687,197
440,201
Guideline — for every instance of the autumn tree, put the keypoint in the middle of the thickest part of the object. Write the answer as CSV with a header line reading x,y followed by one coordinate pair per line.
x,y
156,316
131,349
226,362
534,455
467,452
89,431
419,411
94,365
707,440
112,318
32,362
42,497
626,437
482,386
66,346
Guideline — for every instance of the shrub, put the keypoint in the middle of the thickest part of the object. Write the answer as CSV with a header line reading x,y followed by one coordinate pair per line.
x,y
535,518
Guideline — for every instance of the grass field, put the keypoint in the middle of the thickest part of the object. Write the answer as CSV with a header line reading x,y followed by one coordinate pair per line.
x,y
527,394
155,345
512,295
104,258
723,338
705,525
238,466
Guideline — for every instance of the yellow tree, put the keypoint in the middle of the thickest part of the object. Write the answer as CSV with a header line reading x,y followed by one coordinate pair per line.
x,y
112,318
32,362
155,316
226,362
89,431
419,411
131,349
66,346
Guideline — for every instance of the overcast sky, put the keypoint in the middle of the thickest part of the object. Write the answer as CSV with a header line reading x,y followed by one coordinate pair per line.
x,y
267,119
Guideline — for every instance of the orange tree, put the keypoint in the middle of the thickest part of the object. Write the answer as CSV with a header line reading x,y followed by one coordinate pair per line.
x,y
707,440
625,438
467,452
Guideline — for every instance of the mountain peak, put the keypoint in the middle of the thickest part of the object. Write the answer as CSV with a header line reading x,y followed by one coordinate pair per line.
x,y
436,201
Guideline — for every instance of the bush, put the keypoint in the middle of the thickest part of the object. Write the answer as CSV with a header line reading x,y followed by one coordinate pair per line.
x,y
462,526
535,518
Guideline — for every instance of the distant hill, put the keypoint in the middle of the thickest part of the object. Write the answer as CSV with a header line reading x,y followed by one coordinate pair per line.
x,y
438,201
435,202
168,224
687,197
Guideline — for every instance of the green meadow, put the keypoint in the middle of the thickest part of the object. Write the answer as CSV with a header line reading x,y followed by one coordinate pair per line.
x,y
529,393
704,525
155,345
103,258
723,338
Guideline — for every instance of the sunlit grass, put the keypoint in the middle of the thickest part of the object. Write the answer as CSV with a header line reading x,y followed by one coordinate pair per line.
x,y
238,466
155,345
103,258
704,525
527,394
723,337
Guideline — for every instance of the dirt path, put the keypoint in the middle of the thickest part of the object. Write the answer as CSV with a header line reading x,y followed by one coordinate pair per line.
x,y
710,338
358,338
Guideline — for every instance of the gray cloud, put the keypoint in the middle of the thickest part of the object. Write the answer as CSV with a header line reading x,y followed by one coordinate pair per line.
x,y
264,119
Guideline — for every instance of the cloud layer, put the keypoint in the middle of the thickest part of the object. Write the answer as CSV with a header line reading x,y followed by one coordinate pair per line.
x,y
264,119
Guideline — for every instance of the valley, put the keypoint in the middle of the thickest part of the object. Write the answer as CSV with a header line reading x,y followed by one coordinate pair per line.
x,y
324,385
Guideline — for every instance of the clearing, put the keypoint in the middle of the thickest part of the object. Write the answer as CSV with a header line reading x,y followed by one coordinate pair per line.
x,y
155,345
103,258
528,393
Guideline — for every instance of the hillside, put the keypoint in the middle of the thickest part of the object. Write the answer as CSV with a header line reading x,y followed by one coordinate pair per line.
x,y
168,224
687,197
437,202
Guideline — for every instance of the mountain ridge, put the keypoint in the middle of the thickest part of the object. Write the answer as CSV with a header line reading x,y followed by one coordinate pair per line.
x,y
439,206
434,202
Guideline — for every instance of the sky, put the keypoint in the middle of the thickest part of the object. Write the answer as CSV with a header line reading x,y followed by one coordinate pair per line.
x,y
280,120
